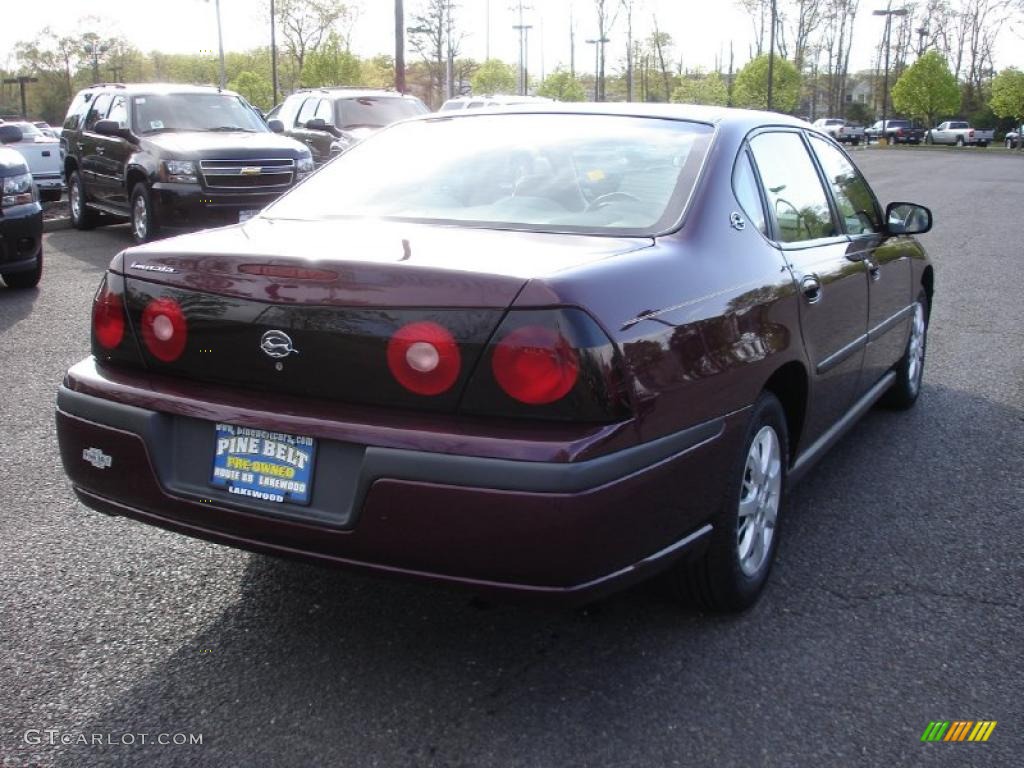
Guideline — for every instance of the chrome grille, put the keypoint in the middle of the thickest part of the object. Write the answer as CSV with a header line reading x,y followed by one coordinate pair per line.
x,y
248,174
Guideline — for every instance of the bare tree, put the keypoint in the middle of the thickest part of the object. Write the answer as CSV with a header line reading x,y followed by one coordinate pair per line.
x,y
661,44
607,14
628,6
433,30
305,24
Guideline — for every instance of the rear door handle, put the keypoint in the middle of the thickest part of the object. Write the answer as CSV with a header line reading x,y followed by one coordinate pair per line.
x,y
810,286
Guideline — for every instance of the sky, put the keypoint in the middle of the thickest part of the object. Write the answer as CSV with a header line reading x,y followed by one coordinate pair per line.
x,y
702,29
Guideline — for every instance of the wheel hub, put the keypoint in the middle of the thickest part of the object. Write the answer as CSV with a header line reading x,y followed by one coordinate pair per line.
x,y
759,501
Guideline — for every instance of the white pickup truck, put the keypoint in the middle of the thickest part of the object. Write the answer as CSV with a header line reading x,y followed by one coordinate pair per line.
x,y
840,130
958,133
43,155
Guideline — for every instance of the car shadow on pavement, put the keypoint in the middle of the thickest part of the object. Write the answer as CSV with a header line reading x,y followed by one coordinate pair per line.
x,y
313,666
16,304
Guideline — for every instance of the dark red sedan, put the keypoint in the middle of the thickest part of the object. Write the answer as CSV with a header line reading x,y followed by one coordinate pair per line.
x,y
552,350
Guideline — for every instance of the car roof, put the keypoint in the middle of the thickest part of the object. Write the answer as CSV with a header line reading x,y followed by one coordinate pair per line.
x,y
686,112
158,88
353,93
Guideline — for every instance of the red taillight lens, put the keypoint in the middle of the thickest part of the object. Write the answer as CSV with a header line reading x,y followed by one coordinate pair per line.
x,y
108,319
164,329
535,365
424,358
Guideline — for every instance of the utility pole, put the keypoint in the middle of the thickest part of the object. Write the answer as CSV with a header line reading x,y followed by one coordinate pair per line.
x,y
572,43
273,47
524,31
888,13
771,56
220,46
21,81
598,43
449,59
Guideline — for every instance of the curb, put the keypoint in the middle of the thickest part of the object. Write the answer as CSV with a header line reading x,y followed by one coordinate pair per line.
x,y
56,225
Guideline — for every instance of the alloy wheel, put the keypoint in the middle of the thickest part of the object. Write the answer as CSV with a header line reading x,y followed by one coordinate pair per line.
x,y
759,501
915,352
75,198
140,218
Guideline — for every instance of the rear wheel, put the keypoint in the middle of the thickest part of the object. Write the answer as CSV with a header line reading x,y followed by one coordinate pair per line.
x,y
29,279
982,144
731,573
910,369
959,141
145,226
928,139
82,217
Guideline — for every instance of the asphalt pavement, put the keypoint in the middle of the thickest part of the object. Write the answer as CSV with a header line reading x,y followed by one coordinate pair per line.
x,y
896,599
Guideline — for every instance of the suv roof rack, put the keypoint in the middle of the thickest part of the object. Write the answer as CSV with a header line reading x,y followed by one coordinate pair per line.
x,y
346,88
106,85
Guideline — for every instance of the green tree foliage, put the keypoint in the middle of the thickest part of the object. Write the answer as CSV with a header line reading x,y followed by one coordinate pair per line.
x,y
708,89
927,89
494,76
255,88
751,89
331,64
562,86
1008,94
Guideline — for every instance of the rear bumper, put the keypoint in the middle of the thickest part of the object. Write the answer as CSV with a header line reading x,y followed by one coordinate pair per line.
x,y
573,530
190,206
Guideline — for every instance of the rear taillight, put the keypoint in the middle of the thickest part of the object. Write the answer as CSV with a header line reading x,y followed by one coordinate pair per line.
x,y
108,318
164,329
549,364
535,365
424,358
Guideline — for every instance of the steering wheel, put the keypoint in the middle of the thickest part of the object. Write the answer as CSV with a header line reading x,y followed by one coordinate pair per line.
x,y
611,197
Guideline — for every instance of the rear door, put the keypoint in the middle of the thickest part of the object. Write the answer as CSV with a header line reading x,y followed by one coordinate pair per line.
x,y
298,130
832,287
88,145
887,260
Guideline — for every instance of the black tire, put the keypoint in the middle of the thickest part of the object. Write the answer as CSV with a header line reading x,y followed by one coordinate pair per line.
x,y
147,228
928,139
717,580
86,218
23,280
960,141
982,144
49,195
856,142
907,388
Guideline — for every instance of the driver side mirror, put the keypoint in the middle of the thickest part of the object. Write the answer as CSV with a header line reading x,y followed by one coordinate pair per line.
x,y
907,219
10,134
111,128
276,126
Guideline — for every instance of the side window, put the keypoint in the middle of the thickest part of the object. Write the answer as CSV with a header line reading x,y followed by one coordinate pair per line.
x,y
744,184
98,111
856,203
306,113
119,111
326,111
795,196
77,110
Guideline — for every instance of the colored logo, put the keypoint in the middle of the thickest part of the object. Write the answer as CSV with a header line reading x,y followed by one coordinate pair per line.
x,y
251,171
958,730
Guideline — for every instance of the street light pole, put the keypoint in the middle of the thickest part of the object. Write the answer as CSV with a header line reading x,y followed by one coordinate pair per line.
x,y
598,44
273,48
888,13
399,46
771,55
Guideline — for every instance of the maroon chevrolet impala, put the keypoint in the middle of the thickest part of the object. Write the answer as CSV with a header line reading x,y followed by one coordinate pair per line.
x,y
551,350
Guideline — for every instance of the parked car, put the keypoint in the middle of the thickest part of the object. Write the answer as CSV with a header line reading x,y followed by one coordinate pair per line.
x,y
43,155
173,156
1012,138
897,131
47,129
21,217
470,365
496,100
840,130
330,120
958,133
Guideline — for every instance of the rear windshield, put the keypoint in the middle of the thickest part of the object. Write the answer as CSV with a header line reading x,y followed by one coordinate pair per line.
x,y
376,112
537,172
194,112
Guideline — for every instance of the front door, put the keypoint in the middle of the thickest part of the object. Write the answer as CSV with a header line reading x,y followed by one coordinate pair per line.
x,y
833,289
112,153
887,259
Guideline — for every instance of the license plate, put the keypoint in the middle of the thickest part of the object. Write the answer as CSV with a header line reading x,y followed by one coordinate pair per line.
x,y
267,466
244,216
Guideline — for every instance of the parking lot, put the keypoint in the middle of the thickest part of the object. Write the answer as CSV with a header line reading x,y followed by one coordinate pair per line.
x,y
896,599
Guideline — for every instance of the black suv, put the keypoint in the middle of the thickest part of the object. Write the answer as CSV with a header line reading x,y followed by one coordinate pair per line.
x,y
330,120
21,217
173,156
